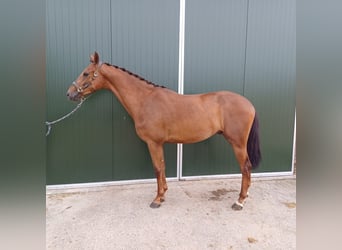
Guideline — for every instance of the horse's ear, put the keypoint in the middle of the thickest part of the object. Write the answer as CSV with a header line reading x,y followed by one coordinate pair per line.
x,y
95,58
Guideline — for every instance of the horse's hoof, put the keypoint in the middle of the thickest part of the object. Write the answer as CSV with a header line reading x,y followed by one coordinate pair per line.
x,y
154,205
237,206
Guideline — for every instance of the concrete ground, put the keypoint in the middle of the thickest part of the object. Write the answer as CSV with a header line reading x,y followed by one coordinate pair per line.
x,y
195,215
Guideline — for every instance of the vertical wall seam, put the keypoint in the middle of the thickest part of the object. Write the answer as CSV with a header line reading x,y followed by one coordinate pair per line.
x,y
181,47
112,97
181,77
246,42
111,30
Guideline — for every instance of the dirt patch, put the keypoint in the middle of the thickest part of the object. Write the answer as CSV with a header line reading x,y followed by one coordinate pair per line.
x,y
188,193
219,193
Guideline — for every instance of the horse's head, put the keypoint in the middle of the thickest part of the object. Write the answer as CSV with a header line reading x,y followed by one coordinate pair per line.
x,y
88,81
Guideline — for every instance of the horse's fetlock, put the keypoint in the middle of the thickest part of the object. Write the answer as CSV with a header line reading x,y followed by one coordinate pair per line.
x,y
243,196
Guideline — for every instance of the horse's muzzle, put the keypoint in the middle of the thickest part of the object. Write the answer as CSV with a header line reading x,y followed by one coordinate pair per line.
x,y
73,95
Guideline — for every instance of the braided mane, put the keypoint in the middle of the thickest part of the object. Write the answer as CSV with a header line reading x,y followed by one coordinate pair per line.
x,y
135,75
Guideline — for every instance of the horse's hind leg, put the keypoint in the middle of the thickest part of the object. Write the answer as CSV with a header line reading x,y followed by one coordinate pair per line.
x,y
157,155
245,167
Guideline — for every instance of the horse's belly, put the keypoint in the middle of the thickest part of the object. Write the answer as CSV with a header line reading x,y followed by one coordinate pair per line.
x,y
190,134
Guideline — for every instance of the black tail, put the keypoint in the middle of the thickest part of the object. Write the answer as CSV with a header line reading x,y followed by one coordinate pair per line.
x,y
253,144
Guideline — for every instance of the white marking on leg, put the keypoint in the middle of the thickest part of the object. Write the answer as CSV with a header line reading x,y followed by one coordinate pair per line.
x,y
238,203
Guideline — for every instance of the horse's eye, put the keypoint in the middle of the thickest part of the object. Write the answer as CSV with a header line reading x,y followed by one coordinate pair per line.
x,y
85,74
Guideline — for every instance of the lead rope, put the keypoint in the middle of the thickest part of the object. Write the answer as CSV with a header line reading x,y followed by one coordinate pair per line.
x,y
48,124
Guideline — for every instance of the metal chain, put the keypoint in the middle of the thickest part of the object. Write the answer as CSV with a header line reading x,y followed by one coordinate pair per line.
x,y
48,124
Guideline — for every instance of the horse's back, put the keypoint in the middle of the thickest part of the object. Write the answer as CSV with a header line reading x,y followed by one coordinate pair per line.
x,y
228,102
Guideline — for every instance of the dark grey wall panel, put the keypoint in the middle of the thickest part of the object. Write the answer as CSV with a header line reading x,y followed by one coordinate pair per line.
x,y
215,41
215,35
247,47
99,142
144,41
271,77
79,148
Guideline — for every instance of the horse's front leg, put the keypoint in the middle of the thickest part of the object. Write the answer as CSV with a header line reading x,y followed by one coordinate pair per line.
x,y
157,155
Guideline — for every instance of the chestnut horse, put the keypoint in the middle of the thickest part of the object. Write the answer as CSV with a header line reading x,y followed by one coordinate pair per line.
x,y
163,116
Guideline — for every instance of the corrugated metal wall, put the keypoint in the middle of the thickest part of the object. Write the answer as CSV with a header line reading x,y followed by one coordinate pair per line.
x,y
215,37
270,79
245,46
145,41
99,143
80,148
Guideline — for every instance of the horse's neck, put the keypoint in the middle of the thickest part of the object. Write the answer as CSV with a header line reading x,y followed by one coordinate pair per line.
x,y
130,90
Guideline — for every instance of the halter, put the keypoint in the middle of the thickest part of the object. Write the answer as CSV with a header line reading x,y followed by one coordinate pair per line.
x,y
80,89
